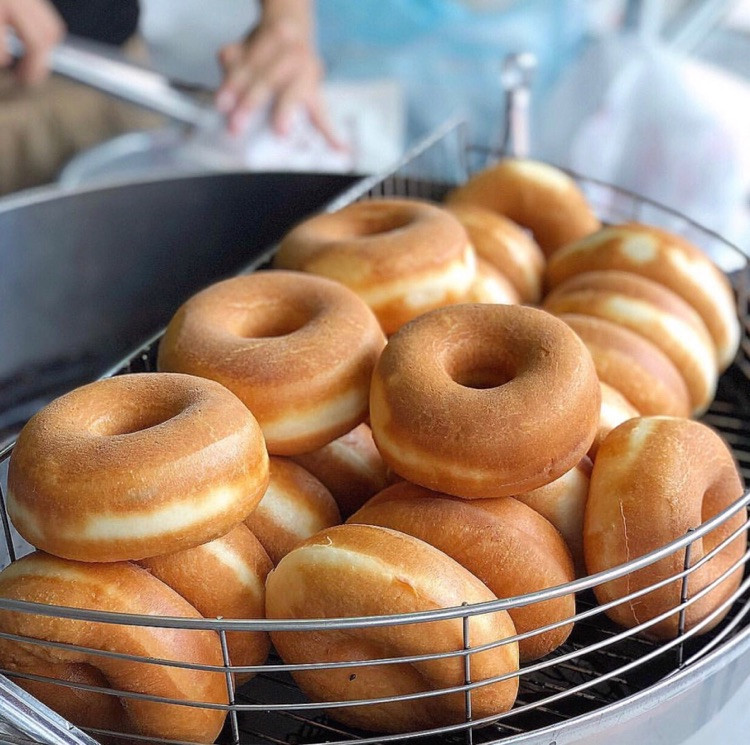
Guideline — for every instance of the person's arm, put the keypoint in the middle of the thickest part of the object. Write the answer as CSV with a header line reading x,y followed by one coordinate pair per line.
x,y
38,25
277,63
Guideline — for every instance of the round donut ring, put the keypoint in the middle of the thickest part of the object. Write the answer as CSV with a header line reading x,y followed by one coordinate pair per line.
x,y
506,246
122,588
361,570
298,350
350,467
665,258
224,578
535,195
652,311
403,257
534,555
460,400
295,506
136,466
654,479
633,366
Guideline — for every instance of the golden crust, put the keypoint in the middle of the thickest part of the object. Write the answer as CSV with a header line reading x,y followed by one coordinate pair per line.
x,y
654,479
298,350
484,400
136,466
360,570
506,544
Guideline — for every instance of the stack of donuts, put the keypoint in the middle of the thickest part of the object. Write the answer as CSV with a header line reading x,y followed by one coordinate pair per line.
x,y
390,371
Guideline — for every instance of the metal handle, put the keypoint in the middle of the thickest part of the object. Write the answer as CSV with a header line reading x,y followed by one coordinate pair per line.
x,y
99,67
516,77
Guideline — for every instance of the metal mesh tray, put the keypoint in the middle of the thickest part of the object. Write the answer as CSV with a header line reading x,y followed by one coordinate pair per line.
x,y
599,666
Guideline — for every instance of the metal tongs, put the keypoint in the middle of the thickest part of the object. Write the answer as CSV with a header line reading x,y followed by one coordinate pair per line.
x,y
516,78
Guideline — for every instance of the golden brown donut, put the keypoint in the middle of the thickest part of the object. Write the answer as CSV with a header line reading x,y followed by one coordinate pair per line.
x,y
224,578
295,506
633,366
460,400
654,479
562,502
665,258
297,349
535,195
506,246
477,534
136,466
615,410
360,570
350,467
403,257
123,588
654,312
491,286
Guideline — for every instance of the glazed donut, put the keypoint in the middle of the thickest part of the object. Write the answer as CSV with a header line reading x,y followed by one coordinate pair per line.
x,y
665,258
224,578
562,502
403,257
295,506
491,286
136,466
534,555
652,311
460,400
350,467
534,195
506,246
654,479
297,349
615,410
633,366
123,588
360,570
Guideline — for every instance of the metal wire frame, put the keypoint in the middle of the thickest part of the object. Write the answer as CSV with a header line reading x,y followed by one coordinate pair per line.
x,y
599,654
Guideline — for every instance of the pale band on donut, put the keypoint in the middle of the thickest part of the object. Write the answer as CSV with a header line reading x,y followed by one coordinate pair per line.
x,y
297,349
136,466
654,479
475,533
403,257
295,506
361,570
616,409
491,286
120,587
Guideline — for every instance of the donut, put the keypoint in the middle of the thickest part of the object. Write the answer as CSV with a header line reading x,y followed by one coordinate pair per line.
x,y
536,196
120,587
403,257
136,466
295,506
654,479
506,544
298,350
652,311
461,398
665,258
562,502
361,570
506,246
491,286
350,467
224,578
633,366
615,410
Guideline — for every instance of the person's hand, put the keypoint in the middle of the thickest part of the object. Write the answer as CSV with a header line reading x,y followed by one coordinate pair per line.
x,y
38,25
277,65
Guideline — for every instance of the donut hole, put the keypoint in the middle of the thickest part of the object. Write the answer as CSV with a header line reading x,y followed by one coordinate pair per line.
x,y
131,420
478,372
273,321
377,223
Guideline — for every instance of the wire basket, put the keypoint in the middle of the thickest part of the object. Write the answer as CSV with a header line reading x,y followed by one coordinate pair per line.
x,y
601,665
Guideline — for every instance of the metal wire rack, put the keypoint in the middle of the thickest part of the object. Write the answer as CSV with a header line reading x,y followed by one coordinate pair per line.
x,y
600,665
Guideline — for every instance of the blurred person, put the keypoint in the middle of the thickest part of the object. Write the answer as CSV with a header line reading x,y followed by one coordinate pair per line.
x,y
45,120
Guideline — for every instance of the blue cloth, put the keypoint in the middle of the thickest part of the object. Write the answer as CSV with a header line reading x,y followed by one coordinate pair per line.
x,y
446,54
